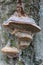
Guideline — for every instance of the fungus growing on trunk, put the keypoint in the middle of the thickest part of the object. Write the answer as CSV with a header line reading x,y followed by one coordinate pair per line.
x,y
22,26
10,51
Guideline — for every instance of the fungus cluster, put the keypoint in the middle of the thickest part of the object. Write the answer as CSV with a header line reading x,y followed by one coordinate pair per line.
x,y
23,27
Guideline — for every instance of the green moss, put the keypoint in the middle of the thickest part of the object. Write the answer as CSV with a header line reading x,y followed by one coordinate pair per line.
x,y
20,63
13,43
5,36
6,59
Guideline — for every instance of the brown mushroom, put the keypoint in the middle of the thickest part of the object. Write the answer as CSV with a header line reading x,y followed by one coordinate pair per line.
x,y
21,19
23,46
10,51
24,21
24,36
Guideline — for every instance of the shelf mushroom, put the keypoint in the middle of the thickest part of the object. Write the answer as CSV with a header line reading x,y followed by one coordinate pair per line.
x,y
10,51
20,22
24,39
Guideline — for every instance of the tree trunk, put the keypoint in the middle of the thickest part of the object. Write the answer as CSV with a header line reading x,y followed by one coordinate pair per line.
x,y
34,53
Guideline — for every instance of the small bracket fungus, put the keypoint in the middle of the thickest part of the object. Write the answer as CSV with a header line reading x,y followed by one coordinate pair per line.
x,y
23,44
10,51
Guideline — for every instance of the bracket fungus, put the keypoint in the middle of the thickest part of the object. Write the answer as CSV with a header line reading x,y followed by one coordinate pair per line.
x,y
22,26
10,51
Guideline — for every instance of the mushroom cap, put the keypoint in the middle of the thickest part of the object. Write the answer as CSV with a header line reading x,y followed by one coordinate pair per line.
x,y
23,36
9,50
22,20
23,46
